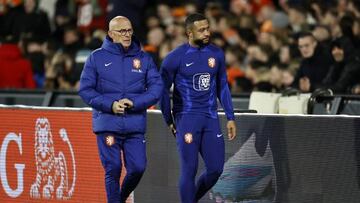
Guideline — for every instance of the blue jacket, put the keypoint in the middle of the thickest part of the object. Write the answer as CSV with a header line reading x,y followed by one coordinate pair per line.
x,y
111,74
199,78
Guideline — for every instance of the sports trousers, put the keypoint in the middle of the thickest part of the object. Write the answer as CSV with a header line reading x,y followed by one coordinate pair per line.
x,y
198,134
110,146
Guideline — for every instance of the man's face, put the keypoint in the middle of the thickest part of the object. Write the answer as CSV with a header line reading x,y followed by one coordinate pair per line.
x,y
338,54
200,32
121,32
307,46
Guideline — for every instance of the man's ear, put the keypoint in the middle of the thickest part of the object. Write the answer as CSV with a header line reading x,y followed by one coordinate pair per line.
x,y
110,34
189,33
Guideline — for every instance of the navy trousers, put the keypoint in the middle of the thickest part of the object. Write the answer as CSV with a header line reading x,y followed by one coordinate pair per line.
x,y
199,134
133,147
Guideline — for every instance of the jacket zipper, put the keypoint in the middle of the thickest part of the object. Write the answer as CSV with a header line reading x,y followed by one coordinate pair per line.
x,y
123,72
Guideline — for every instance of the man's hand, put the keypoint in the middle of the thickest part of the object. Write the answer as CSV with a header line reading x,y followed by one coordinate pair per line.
x,y
172,128
117,108
126,103
231,127
304,84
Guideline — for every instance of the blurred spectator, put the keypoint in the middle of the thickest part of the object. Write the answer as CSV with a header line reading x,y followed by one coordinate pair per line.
x,y
48,6
314,65
90,15
284,55
26,20
280,25
72,41
60,73
218,40
247,37
34,51
259,53
345,72
264,18
322,34
346,26
259,75
63,18
152,22
164,13
356,32
258,5
231,36
330,20
214,13
85,14
190,8
240,7
15,70
281,76
155,38
271,41
175,36
96,39
288,63
233,69
297,19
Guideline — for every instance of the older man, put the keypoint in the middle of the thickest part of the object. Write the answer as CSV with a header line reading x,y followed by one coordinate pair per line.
x,y
120,81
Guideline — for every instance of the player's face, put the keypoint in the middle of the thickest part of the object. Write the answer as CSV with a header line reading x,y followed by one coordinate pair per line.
x,y
121,32
201,32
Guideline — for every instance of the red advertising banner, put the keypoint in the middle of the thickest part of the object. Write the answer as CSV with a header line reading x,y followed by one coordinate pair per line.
x,y
49,155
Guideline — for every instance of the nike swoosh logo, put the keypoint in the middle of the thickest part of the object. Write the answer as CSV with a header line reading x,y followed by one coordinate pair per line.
x,y
108,64
189,64
218,135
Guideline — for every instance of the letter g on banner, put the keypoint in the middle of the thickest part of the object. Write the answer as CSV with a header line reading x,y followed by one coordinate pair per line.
x,y
19,167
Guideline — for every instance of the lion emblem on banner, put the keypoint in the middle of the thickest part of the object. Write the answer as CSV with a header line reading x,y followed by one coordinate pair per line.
x,y
52,178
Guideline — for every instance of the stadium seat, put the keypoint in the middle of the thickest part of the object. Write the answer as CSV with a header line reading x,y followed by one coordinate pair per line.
x,y
264,102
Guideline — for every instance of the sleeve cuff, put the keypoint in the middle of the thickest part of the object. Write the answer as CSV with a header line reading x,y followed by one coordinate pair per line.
x,y
231,118
107,105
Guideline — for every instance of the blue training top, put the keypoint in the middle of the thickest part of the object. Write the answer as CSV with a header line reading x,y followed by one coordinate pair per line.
x,y
199,77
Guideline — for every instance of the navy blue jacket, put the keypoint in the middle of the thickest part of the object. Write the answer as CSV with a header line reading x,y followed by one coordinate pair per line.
x,y
111,74
199,77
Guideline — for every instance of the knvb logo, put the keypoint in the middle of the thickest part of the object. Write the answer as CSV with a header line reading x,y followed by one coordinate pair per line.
x,y
51,179
201,81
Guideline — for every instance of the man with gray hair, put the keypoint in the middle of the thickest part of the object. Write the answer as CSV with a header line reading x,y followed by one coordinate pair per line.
x,y
120,81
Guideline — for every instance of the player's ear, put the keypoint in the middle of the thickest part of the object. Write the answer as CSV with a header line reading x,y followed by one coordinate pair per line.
x,y
189,32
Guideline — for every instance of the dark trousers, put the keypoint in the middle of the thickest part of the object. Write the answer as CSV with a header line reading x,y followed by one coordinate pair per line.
x,y
199,134
133,147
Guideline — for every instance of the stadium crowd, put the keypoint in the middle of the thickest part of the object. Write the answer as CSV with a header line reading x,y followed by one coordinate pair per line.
x,y
269,45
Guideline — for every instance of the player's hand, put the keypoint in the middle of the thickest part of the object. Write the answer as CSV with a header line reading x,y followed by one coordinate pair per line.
x,y
172,128
231,127
117,108
126,103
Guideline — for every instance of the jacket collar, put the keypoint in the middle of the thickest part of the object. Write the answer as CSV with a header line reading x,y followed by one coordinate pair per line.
x,y
191,49
117,48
